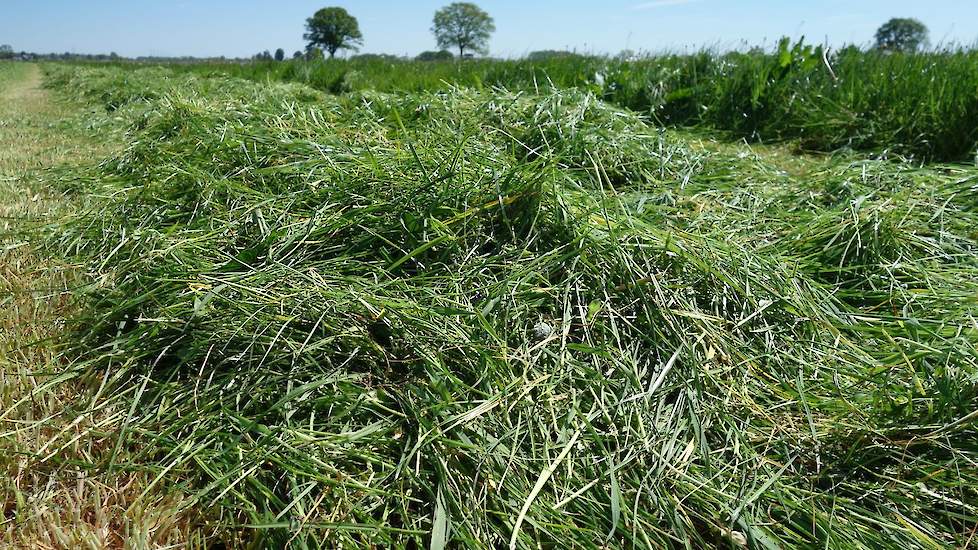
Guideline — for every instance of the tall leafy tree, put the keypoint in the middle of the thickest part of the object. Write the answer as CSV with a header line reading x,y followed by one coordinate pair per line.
x,y
333,29
901,35
280,55
464,26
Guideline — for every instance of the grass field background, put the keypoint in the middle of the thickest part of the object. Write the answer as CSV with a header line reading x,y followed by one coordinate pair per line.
x,y
921,105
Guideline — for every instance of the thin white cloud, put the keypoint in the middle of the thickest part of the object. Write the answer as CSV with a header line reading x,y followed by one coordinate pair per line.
x,y
661,4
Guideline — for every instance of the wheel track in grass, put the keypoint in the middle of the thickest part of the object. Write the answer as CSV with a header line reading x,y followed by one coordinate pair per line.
x,y
46,499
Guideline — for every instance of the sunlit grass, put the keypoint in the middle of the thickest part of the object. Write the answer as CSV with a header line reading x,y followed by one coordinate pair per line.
x,y
498,318
922,104
50,497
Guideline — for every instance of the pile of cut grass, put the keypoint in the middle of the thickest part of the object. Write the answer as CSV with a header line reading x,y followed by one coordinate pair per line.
x,y
518,319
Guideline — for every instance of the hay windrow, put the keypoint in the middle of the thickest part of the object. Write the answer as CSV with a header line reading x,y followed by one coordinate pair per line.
x,y
340,318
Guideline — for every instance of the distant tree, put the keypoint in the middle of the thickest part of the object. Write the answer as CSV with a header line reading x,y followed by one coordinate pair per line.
x,y
375,57
901,35
314,54
543,55
6,52
464,26
442,55
297,55
333,29
280,55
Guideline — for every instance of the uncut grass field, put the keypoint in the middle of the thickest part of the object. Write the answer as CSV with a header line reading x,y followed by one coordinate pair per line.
x,y
301,305
920,105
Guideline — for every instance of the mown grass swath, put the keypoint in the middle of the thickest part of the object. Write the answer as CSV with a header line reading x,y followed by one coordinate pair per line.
x,y
522,318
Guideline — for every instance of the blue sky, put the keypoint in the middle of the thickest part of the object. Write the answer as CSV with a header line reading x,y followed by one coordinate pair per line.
x,y
243,27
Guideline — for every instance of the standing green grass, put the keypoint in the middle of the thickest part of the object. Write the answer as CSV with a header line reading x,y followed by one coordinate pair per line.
x,y
916,104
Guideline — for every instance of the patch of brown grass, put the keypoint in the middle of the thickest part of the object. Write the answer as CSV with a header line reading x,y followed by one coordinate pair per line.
x,y
54,434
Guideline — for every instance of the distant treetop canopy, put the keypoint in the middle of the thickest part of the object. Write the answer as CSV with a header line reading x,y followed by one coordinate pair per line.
x,y
901,35
464,26
543,55
333,29
314,54
442,55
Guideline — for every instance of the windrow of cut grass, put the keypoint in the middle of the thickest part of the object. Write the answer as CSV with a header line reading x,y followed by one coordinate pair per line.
x,y
924,105
490,318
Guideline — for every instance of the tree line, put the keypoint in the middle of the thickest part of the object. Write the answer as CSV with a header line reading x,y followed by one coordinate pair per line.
x,y
465,27
461,26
